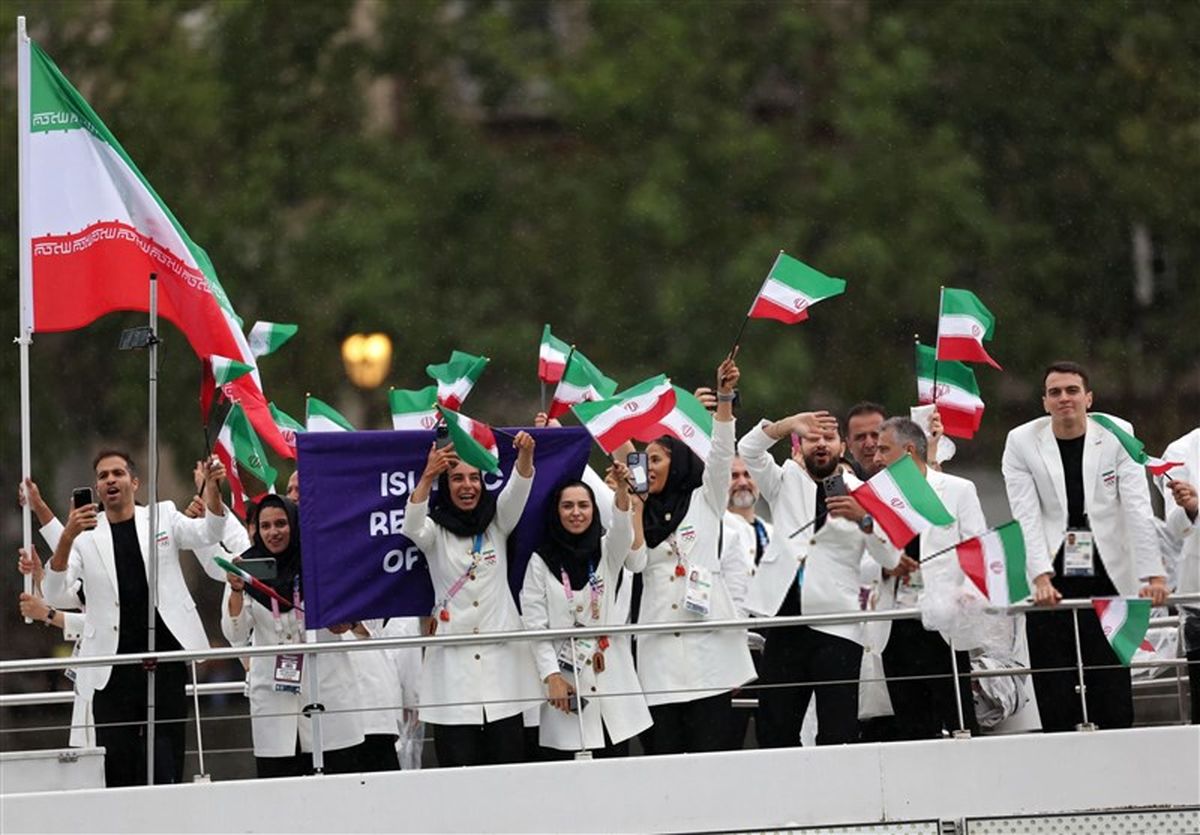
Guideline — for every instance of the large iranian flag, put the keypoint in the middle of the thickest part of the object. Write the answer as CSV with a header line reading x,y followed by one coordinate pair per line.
x,y
414,409
1135,448
287,425
473,441
964,324
552,357
957,395
456,378
902,502
1124,621
238,446
689,421
93,230
618,419
581,382
791,288
995,563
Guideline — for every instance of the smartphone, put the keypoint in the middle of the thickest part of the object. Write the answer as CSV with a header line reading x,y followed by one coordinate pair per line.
x,y
443,436
81,497
835,485
575,703
639,471
706,390
261,567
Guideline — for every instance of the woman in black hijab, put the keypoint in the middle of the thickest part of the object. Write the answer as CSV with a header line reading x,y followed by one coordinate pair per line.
x,y
572,581
689,677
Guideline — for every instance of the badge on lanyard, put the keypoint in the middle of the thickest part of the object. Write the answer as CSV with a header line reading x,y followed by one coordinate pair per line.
x,y
1079,554
698,596
582,656
288,668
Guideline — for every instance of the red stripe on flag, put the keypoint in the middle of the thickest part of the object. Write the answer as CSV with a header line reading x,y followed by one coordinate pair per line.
x,y
767,309
963,349
482,433
893,524
453,403
970,557
234,478
550,372
959,424
630,427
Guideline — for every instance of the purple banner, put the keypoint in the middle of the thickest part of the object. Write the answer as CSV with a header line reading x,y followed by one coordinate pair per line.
x,y
354,487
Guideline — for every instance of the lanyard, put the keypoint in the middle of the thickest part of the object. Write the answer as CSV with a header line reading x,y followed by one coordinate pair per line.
x,y
680,570
469,574
596,587
296,611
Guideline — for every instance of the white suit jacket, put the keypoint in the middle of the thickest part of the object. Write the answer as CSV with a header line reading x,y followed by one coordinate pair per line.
x,y
1116,499
92,561
739,543
1187,451
832,556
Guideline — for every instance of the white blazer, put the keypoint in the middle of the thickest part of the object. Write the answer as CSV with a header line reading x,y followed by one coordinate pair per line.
x,y
92,561
739,543
686,666
275,718
832,556
1115,498
962,500
615,700
379,684
1187,451
470,685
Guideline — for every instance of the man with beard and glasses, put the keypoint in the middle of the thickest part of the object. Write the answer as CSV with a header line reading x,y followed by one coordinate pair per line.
x,y
811,566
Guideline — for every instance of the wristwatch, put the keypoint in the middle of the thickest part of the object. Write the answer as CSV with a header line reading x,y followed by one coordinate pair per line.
x,y
867,523
50,613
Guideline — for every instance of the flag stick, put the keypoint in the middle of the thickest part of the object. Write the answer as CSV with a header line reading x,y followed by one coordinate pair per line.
x,y
810,523
937,344
25,284
955,545
543,382
737,340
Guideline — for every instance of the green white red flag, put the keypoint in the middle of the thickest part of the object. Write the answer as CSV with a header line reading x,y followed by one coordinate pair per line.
x,y
226,370
791,288
473,441
902,502
1124,621
552,357
964,324
250,580
287,425
1135,448
414,409
319,416
581,382
957,395
995,563
93,230
456,378
238,446
620,418
689,421
267,337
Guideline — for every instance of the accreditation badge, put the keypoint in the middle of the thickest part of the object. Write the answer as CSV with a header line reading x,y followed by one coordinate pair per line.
x,y
697,599
1079,554
570,660
288,668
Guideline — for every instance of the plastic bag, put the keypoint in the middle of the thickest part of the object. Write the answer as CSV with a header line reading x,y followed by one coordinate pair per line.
x,y
961,614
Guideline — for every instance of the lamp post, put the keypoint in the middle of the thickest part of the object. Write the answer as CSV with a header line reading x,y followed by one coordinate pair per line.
x,y
368,358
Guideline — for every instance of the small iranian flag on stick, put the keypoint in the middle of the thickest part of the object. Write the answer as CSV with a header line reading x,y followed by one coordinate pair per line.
x,y
618,419
957,394
473,440
964,324
791,288
456,378
238,444
552,357
319,416
1135,448
251,580
995,562
267,337
225,370
689,421
288,426
902,502
1124,621
414,409
581,382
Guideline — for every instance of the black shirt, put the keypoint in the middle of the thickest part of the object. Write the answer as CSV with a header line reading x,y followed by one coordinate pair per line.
x,y
1071,452
761,540
133,594
791,601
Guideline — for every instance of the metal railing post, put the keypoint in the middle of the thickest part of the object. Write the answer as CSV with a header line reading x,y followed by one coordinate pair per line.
x,y
1085,725
202,777
583,753
962,732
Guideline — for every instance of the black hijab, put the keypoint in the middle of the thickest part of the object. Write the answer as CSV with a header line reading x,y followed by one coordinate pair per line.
x,y
665,510
461,522
577,553
287,564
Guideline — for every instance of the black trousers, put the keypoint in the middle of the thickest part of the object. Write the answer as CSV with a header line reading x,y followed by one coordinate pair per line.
x,y
695,726
492,743
120,713
920,683
1052,650
797,663
378,753
1191,642
610,750
297,765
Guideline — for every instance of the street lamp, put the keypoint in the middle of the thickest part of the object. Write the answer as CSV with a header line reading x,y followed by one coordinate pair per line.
x,y
368,358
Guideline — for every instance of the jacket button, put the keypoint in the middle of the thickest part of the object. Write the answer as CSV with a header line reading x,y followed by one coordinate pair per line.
x,y
674,605
115,629
593,688
812,542
579,608
476,631
676,634
475,603
476,656
589,663
117,604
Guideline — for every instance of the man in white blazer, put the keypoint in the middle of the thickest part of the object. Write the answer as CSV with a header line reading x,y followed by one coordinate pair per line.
x,y
811,566
1181,506
1084,508
107,552
916,660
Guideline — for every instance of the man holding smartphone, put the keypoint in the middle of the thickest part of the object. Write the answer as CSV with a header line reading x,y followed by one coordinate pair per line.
x,y
107,551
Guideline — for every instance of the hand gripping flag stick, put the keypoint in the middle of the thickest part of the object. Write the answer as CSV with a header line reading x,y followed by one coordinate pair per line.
x,y
254,582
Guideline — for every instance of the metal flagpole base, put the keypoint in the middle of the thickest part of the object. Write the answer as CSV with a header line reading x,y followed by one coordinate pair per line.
x,y
583,755
963,734
1086,726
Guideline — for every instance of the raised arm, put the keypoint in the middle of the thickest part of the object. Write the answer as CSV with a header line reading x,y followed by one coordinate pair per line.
x,y
417,525
510,504
755,445
718,467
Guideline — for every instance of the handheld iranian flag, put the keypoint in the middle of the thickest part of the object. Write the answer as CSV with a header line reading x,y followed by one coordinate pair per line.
x,y
1135,448
957,394
288,426
964,324
1124,621
93,230
473,441
226,370
414,409
456,378
268,337
791,288
995,563
581,382
902,502
618,419
689,421
251,580
552,357
319,416
238,446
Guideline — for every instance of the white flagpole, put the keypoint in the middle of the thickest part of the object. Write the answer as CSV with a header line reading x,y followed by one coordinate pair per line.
x,y
25,335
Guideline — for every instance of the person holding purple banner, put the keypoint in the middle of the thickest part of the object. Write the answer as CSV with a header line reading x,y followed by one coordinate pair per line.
x,y
473,695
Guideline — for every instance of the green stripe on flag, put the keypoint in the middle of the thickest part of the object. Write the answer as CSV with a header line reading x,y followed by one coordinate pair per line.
x,y
965,303
283,419
1135,448
246,446
923,498
465,445
1013,542
799,276
956,374
693,410
582,372
322,414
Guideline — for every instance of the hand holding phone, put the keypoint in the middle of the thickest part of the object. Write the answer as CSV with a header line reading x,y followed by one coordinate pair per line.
x,y
639,471
835,485
82,497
